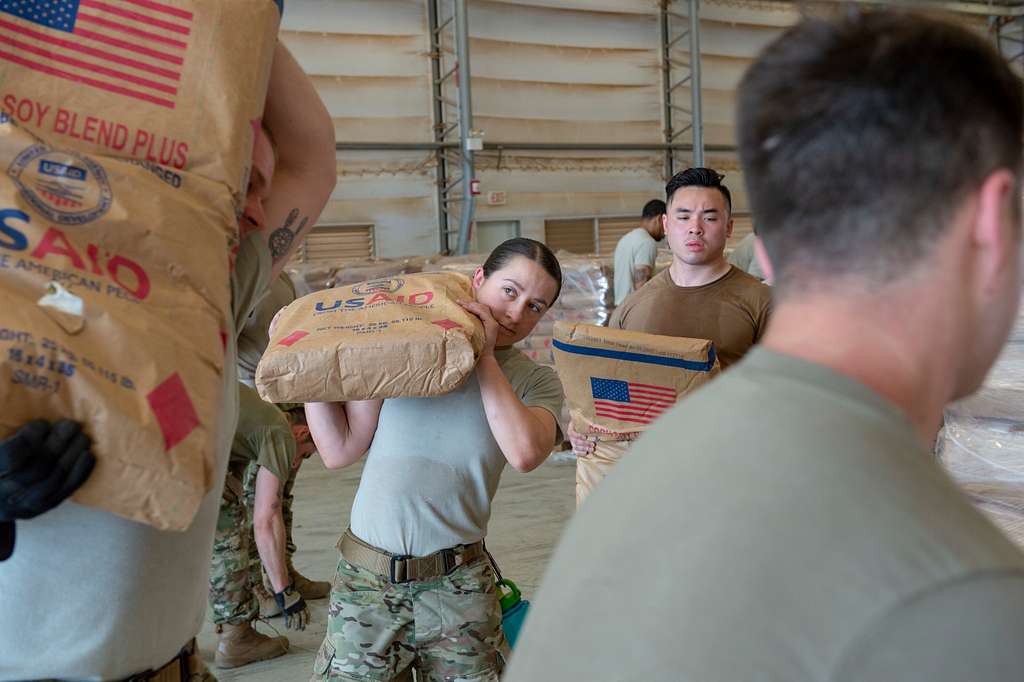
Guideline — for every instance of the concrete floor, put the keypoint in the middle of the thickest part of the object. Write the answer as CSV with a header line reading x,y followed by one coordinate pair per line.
x,y
529,513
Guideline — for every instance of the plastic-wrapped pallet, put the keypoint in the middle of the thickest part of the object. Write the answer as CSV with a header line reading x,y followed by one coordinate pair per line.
x,y
466,265
982,441
310,277
586,298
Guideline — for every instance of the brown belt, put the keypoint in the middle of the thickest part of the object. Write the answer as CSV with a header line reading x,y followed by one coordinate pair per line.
x,y
178,669
399,568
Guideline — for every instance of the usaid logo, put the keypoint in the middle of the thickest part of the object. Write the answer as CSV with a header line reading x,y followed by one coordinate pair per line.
x,y
378,286
62,170
65,187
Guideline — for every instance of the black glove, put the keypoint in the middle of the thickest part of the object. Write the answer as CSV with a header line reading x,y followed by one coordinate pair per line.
x,y
296,614
40,466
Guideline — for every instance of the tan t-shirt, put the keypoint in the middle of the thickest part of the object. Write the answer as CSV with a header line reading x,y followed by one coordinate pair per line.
x,y
263,435
731,312
635,249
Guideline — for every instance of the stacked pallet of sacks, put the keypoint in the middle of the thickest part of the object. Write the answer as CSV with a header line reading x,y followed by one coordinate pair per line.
x,y
982,442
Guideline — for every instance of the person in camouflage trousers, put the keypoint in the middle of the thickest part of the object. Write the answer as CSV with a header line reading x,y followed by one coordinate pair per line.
x,y
309,589
232,599
441,627
265,451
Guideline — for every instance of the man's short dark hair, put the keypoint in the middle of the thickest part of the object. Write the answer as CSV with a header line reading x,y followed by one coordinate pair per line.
x,y
653,209
861,136
698,177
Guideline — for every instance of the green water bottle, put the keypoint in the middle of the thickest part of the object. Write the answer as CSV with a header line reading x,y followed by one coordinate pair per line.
x,y
513,610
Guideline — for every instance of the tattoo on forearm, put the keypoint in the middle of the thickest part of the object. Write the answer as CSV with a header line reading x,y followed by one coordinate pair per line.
x,y
282,238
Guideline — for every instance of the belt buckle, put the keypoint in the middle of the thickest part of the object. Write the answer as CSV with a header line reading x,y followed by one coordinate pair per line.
x,y
393,572
450,560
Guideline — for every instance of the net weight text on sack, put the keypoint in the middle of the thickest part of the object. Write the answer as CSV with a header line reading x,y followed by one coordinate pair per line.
x,y
29,378
45,372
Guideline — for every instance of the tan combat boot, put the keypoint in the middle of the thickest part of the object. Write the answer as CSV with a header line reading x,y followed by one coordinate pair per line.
x,y
268,605
309,589
241,644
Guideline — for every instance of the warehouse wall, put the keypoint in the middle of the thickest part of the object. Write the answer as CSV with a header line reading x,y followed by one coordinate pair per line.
x,y
542,71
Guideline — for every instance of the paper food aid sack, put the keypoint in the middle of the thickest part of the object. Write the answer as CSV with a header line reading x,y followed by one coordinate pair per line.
x,y
618,382
401,336
114,271
167,83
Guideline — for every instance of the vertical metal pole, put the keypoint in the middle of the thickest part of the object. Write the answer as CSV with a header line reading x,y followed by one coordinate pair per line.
x,y
465,121
695,87
666,88
440,172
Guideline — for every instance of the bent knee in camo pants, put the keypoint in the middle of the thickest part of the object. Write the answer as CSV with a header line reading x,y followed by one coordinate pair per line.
x,y
448,628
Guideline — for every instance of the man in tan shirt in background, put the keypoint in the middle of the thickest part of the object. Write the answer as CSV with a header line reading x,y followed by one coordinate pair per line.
x,y
700,296
637,251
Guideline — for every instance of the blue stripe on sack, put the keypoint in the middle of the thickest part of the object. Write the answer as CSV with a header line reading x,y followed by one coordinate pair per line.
x,y
691,365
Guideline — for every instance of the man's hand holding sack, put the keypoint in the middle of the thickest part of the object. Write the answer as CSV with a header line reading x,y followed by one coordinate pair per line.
x,y
617,383
118,211
40,466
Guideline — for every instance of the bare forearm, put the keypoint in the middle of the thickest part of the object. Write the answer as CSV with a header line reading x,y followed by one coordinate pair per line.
x,y
640,277
525,439
271,543
268,527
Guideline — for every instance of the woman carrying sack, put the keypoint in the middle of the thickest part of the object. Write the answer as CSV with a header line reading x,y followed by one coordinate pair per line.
x,y
414,588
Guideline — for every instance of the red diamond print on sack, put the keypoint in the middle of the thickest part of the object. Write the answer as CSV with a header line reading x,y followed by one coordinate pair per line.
x,y
292,338
446,324
174,410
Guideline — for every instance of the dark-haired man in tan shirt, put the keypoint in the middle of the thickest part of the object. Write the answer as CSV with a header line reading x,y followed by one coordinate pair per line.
x,y
700,296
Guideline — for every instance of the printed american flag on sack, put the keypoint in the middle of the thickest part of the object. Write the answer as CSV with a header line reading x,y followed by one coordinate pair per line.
x,y
133,48
630,402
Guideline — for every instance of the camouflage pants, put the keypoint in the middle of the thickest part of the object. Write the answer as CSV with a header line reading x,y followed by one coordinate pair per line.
x,y
232,599
448,629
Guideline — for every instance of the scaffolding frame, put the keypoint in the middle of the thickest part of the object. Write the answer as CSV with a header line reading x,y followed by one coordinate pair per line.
x,y
677,120
1009,37
452,122
453,134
